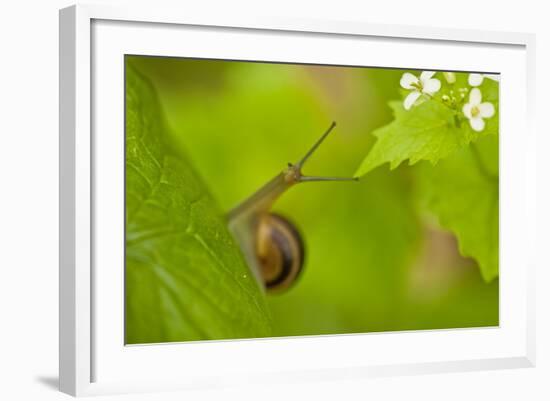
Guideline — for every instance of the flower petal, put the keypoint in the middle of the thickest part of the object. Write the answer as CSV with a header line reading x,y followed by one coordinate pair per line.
x,y
431,86
426,75
486,110
475,79
494,77
450,77
477,123
410,99
467,110
407,79
475,97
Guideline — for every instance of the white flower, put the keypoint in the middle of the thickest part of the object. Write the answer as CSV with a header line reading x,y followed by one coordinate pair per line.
x,y
419,85
477,79
476,111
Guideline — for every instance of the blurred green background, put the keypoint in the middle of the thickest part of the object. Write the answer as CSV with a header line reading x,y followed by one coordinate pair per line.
x,y
375,259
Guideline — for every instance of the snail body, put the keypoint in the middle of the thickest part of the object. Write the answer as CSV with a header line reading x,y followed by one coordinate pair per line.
x,y
272,246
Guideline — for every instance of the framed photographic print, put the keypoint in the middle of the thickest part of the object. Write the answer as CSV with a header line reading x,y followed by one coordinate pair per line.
x,y
276,200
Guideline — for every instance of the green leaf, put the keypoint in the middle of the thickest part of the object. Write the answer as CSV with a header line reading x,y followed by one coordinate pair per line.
x,y
426,132
429,131
462,191
185,276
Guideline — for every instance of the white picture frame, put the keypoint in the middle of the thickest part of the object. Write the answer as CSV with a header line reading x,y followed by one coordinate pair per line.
x,y
93,360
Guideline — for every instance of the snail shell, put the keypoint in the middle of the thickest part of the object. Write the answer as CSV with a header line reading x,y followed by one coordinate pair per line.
x,y
280,252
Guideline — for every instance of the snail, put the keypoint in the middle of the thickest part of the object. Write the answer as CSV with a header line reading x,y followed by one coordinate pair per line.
x,y
271,244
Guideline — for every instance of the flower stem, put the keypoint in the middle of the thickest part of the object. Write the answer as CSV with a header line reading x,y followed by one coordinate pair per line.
x,y
443,103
